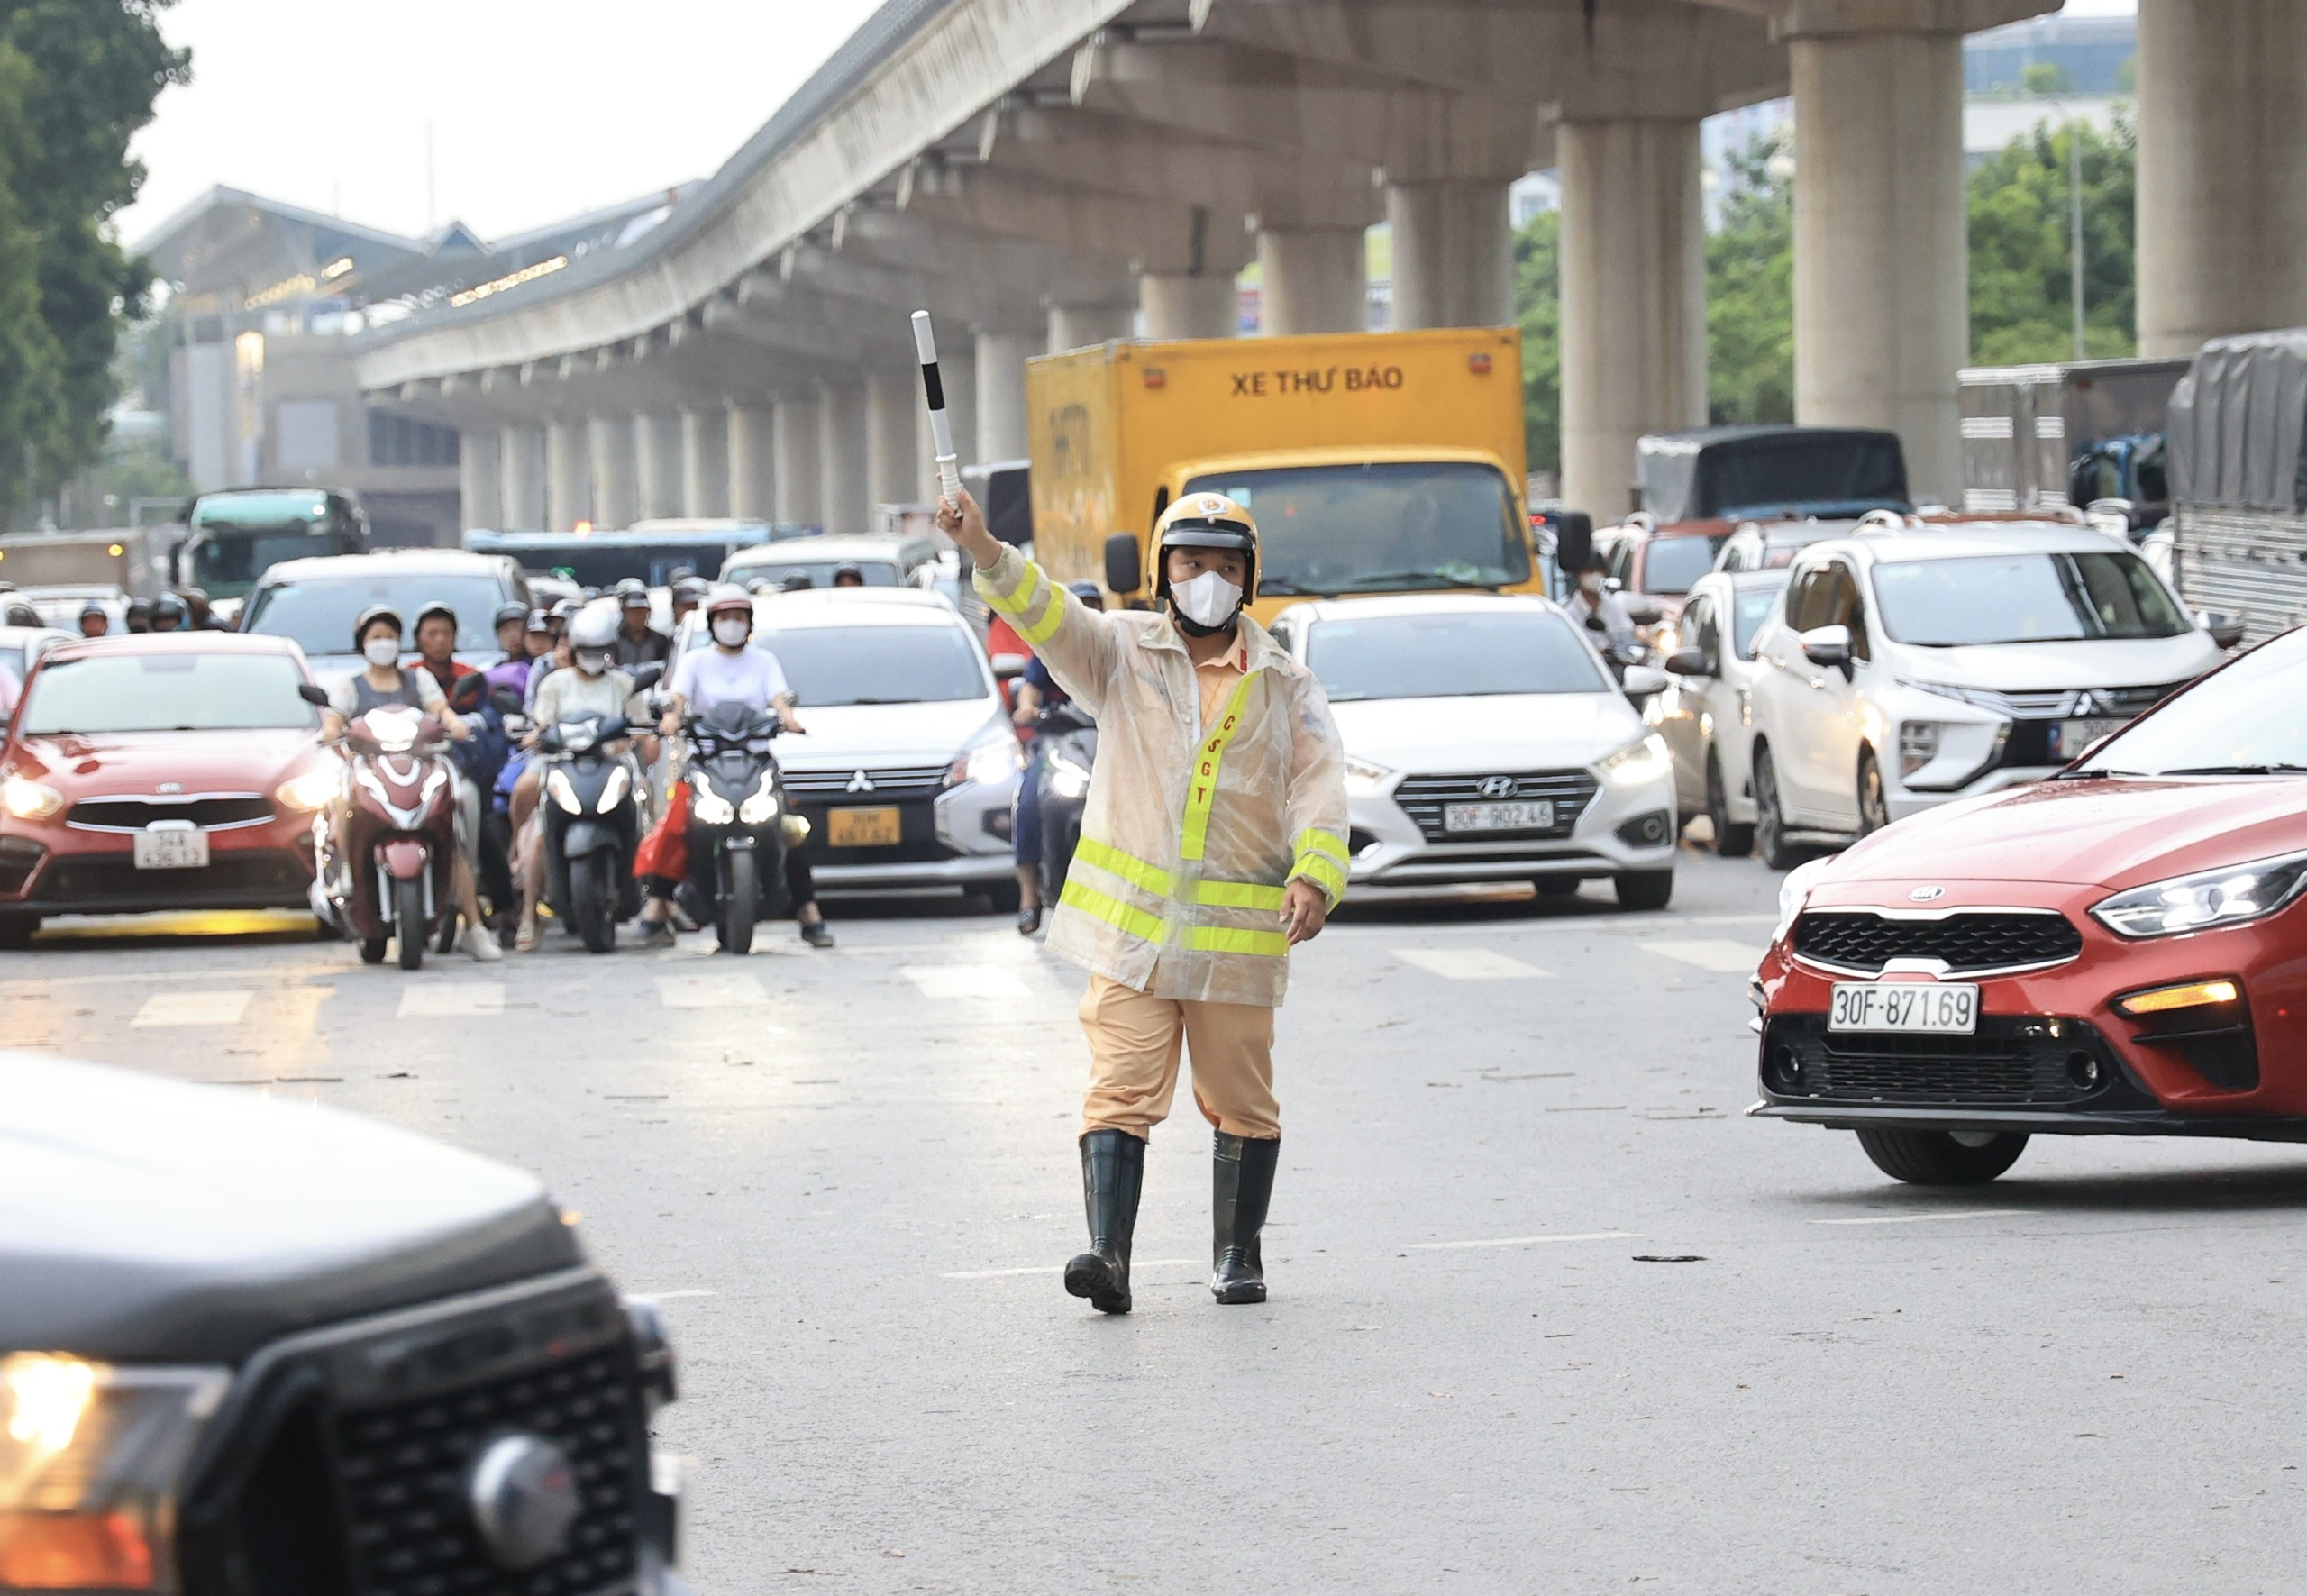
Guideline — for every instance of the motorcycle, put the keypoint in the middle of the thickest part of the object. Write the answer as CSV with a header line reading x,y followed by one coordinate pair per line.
x,y
594,791
385,863
739,828
1065,748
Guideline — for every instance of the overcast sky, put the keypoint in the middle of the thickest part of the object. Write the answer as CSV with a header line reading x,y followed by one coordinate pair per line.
x,y
538,109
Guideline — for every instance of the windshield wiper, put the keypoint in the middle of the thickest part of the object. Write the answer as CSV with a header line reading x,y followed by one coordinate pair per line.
x,y
2096,773
1382,578
2278,769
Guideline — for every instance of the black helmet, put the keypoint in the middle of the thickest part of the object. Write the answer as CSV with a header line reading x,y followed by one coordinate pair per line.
x,y
508,612
168,606
20,614
139,609
370,617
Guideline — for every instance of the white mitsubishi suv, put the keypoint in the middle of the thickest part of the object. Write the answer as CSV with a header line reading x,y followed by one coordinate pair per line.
x,y
1910,666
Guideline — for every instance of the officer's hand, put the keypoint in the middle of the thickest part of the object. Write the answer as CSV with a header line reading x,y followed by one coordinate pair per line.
x,y
1305,910
965,525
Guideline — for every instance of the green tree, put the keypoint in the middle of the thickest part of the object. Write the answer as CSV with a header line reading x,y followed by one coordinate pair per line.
x,y
1750,289
1537,306
2022,250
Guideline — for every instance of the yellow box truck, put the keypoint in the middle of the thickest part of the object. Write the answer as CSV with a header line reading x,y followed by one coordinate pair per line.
x,y
1374,462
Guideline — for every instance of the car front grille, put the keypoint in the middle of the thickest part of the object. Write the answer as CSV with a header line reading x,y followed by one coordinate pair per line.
x,y
2065,703
889,784
1422,799
2013,1060
1861,942
208,811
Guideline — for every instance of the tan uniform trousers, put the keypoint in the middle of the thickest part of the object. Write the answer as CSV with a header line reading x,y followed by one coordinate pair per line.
x,y
1134,1044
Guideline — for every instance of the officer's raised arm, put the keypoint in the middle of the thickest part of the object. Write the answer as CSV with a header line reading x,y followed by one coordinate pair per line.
x,y
1073,640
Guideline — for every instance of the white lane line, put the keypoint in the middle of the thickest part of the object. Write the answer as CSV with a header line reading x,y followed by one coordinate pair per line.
x,y
1468,964
1524,1241
1927,1218
725,990
672,1296
1136,1264
193,1009
964,981
450,999
1724,958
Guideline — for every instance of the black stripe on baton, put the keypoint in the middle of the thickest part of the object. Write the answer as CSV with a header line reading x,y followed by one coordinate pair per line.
x,y
934,384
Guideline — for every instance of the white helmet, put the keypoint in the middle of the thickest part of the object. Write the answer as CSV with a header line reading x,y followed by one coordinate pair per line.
x,y
595,627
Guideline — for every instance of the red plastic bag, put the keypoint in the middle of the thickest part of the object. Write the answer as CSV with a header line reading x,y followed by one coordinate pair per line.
x,y
664,852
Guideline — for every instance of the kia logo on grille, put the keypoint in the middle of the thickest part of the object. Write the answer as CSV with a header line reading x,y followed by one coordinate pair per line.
x,y
170,787
1496,787
524,1499
1926,894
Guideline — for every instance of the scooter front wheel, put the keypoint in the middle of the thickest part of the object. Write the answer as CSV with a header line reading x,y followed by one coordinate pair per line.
x,y
740,900
591,905
408,922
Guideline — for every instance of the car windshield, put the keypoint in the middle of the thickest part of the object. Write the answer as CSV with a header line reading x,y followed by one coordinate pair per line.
x,y
1398,526
2222,723
318,615
877,573
2003,599
830,666
166,692
1753,608
226,564
1451,655
1671,564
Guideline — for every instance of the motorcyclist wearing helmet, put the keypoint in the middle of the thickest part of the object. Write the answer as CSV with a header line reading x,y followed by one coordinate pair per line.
x,y
730,671
637,643
381,681
140,615
1213,839
537,640
168,614
509,623
436,645
848,576
1603,613
689,592
94,620
1035,694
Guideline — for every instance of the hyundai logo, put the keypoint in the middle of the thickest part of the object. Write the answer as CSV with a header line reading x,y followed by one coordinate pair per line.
x,y
1496,787
524,1499
1926,894
861,782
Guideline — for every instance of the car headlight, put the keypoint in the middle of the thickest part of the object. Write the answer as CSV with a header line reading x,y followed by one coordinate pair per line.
x,y
27,799
1645,759
762,806
316,788
1364,779
2210,898
1068,779
1794,892
990,763
90,1458
709,806
614,791
563,791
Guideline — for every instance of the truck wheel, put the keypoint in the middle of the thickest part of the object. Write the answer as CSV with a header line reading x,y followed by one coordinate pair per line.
x,y
408,922
740,902
1940,1157
1770,824
1730,840
590,905
1645,888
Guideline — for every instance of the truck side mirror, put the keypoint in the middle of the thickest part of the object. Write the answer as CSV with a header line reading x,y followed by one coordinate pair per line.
x,y
1125,564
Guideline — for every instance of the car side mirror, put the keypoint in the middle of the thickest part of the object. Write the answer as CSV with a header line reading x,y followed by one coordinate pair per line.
x,y
1826,645
1125,564
314,694
1690,662
2225,630
1643,610
1643,681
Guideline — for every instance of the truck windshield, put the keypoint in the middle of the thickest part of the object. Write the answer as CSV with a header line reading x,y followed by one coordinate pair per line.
x,y
318,616
1397,526
1450,655
236,537
166,692
1999,598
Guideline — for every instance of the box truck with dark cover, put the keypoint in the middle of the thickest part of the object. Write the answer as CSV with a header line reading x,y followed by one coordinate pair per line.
x,y
2074,433
2238,531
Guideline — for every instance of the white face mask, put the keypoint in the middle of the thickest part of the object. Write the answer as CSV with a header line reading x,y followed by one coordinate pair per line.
x,y
731,632
1591,585
590,662
381,652
1208,600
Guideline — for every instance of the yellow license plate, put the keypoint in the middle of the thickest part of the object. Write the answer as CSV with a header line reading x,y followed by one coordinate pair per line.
x,y
863,828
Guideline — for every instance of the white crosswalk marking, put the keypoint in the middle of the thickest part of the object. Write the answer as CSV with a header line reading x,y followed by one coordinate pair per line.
x,y
1468,964
727,989
450,999
1722,957
964,981
193,1009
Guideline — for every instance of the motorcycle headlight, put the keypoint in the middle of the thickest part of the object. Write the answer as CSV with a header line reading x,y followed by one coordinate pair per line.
x,y
1364,779
312,790
1645,759
990,763
576,738
709,806
563,791
27,799
762,806
2208,898
1794,892
90,1458
1067,778
613,793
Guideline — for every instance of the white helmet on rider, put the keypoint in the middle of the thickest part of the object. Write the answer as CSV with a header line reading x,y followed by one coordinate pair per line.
x,y
592,638
729,613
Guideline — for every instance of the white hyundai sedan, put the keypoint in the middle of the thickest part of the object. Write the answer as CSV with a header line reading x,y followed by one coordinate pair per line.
x,y
1486,742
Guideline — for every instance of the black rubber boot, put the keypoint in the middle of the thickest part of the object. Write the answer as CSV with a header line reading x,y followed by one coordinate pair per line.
x,y
1112,1171
1243,1187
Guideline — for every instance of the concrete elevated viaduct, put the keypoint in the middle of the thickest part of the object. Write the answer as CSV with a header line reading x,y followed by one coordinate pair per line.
x,y
1046,173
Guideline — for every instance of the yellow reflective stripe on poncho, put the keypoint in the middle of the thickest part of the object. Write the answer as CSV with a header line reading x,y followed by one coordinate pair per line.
x,y
1027,598
1237,895
1202,786
1313,841
1220,939
1111,910
1114,862
1319,869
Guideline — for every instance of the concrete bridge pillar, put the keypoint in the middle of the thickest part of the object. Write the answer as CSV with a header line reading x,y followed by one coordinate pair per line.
x,y
1313,279
1633,299
615,491
704,461
1001,420
2222,171
892,472
567,474
841,455
799,501
1454,254
1176,305
657,450
1881,268
480,477
523,448
1078,326
753,461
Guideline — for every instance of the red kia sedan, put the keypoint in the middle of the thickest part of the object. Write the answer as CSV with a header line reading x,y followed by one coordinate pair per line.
x,y
2121,949
167,771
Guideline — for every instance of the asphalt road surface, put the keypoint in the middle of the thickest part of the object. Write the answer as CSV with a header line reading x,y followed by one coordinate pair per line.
x,y
851,1177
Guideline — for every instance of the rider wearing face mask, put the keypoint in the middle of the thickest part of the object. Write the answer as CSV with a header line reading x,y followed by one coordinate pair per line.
x,y
1213,838
1601,611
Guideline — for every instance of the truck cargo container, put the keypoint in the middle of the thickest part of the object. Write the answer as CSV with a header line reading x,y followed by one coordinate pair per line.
x,y
2238,530
2076,433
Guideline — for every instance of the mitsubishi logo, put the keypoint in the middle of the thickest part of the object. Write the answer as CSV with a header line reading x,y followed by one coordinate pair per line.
x,y
1496,787
2085,704
861,782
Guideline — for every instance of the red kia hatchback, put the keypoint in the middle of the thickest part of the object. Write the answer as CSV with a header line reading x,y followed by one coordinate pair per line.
x,y
2120,949
167,771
